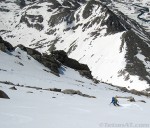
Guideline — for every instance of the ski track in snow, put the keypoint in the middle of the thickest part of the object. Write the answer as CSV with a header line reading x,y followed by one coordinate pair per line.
x,y
131,106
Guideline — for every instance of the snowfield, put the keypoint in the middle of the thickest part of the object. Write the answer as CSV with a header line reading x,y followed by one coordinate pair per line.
x,y
37,108
40,109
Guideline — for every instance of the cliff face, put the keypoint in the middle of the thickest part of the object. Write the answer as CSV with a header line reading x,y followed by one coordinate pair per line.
x,y
53,61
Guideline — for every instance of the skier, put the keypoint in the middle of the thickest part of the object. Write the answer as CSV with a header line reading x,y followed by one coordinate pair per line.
x,y
115,101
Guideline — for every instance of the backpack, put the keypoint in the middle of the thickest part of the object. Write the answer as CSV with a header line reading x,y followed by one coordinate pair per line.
x,y
115,100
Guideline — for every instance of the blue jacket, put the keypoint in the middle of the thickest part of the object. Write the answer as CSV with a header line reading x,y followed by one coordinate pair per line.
x,y
114,100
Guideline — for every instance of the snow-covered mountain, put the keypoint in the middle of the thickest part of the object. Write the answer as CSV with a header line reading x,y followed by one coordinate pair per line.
x,y
137,10
114,46
39,98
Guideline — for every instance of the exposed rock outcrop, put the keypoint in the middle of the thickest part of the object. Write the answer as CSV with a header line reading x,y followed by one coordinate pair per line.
x,y
52,61
3,95
77,92
53,89
131,99
143,101
7,82
34,22
135,65
133,91
47,60
66,91
83,69
5,46
13,88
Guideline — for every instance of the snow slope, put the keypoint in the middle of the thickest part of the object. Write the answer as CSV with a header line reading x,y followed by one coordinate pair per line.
x,y
39,109
29,107
18,64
